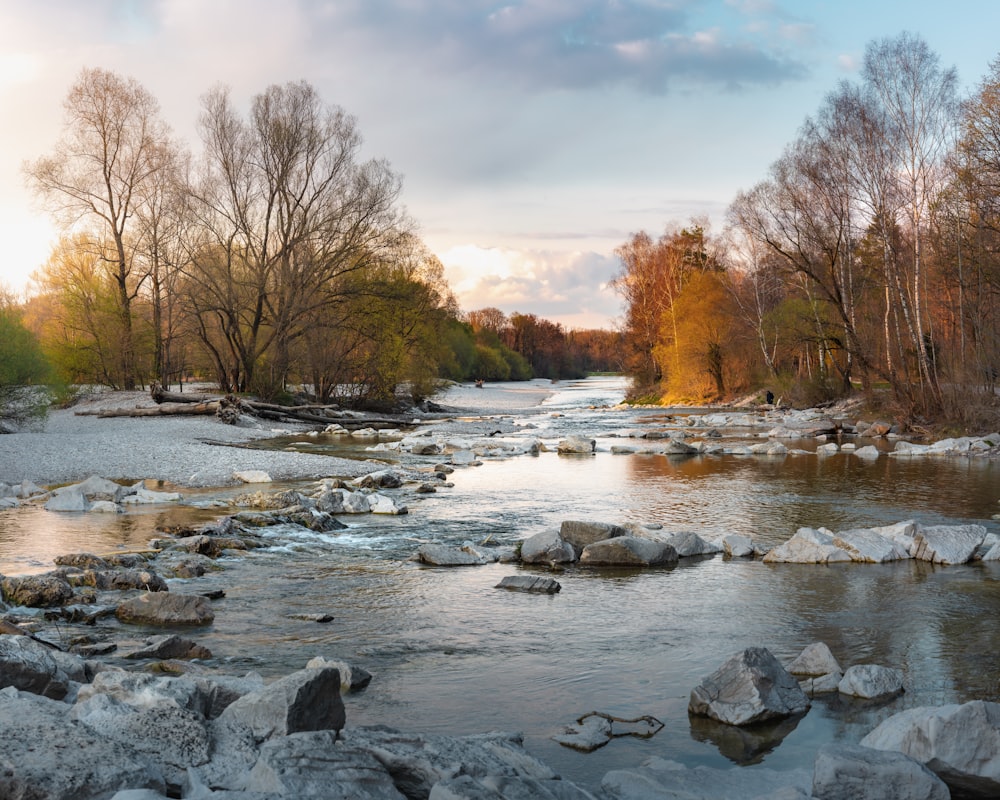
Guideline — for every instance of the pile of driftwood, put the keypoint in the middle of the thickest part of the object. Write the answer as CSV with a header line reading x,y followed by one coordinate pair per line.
x,y
229,408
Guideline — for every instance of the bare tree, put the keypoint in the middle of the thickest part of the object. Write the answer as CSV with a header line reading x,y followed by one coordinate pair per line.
x,y
919,101
103,161
287,212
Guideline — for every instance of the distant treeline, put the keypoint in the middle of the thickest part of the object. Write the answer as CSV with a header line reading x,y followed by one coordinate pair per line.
x,y
867,259
273,258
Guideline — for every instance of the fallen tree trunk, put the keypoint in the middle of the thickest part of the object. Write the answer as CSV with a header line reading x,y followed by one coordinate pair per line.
x,y
161,395
162,410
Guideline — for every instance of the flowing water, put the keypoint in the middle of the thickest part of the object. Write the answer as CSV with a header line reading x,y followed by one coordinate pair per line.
x,y
452,654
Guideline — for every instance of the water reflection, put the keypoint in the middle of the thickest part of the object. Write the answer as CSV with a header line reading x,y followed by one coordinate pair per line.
x,y
747,745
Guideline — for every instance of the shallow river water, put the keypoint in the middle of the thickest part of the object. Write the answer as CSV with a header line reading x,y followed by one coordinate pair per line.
x,y
452,654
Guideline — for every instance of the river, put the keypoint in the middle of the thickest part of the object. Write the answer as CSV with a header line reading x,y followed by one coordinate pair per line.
x,y
452,654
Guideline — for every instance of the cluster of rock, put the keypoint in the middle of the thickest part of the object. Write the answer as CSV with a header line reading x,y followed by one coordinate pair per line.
x,y
12,495
94,494
926,752
87,730
694,434
939,544
753,686
463,450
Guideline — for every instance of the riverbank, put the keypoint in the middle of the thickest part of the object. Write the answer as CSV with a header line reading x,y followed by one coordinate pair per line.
x,y
201,451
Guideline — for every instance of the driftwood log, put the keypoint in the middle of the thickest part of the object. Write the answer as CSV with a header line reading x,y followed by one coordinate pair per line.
x,y
230,407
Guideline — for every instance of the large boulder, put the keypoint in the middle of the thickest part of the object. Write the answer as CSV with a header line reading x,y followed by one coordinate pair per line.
x,y
170,646
166,608
36,591
506,787
869,546
947,544
81,561
580,533
628,551
313,764
547,547
206,695
750,687
169,737
576,445
381,479
960,743
689,543
662,779
871,681
307,700
851,772
814,660
352,677
736,545
417,762
808,546
442,555
45,755
32,667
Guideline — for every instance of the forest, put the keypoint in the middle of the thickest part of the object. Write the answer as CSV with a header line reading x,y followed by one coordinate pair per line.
x,y
865,261
274,259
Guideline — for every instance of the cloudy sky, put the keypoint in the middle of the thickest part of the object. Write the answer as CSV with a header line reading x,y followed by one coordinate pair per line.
x,y
533,136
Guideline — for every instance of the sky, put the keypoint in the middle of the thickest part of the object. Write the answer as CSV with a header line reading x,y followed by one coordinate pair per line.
x,y
533,137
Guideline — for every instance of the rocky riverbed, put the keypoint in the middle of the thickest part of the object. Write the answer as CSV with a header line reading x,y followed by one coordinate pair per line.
x,y
289,737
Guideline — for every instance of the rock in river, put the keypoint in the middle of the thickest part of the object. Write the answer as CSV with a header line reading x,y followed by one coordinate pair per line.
x,y
166,608
750,687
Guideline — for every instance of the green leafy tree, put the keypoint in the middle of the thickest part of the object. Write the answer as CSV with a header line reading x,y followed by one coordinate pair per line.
x,y
24,371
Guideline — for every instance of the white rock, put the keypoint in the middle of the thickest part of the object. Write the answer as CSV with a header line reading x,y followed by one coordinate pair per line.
x,y
814,660
868,453
736,545
961,743
904,448
868,546
750,687
588,736
822,684
870,681
576,445
67,501
105,507
661,779
143,496
252,476
828,449
851,772
463,457
807,546
947,544
383,504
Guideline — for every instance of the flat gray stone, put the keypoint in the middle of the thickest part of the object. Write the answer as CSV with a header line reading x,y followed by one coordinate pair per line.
x,y
529,583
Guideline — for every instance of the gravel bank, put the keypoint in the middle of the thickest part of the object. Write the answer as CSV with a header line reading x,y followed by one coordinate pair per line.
x,y
199,451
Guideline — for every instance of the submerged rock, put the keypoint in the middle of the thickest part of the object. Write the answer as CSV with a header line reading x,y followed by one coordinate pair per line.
x,y
529,583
